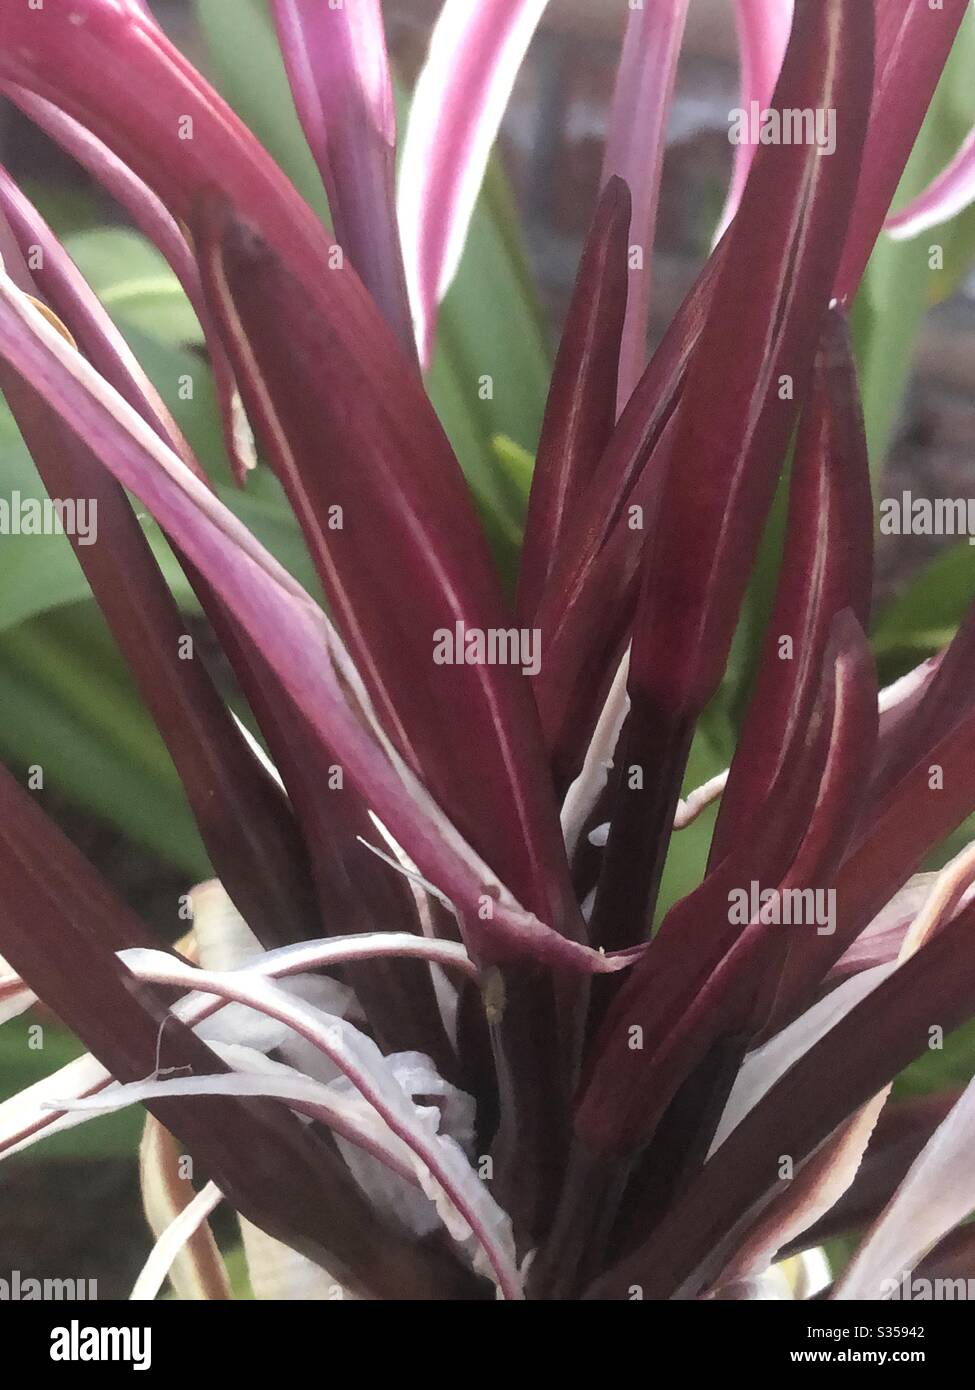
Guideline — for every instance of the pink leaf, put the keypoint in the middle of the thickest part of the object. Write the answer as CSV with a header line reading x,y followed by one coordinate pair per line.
x,y
950,193
458,105
635,153
339,72
763,33
913,43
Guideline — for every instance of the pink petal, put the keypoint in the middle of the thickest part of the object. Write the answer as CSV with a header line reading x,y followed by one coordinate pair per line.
x,y
339,73
458,105
763,34
635,153
935,1197
950,193
15,997
912,46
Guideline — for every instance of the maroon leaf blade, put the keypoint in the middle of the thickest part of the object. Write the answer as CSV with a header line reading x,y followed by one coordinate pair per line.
x,y
684,998
167,125
244,820
706,981
291,631
339,73
151,217
903,1129
587,607
581,410
635,144
536,1019
57,280
941,703
828,567
855,1060
385,502
928,802
354,894
913,43
729,440
952,1258
717,506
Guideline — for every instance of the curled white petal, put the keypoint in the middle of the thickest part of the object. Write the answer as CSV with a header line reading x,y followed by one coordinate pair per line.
x,y
361,1061
180,1230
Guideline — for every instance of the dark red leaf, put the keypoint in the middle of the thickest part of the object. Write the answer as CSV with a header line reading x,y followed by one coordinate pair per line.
x,y
846,1068
828,566
159,116
389,522
913,43
705,983
703,976
57,280
943,701
355,893
338,68
926,805
244,820
152,218
903,1129
588,604
731,431
581,410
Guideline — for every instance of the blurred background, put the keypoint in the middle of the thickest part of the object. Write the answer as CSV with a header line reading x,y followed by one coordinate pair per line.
x,y
72,1204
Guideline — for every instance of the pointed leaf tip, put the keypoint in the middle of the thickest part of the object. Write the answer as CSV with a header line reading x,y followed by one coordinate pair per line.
x,y
393,479
581,409
338,67
635,146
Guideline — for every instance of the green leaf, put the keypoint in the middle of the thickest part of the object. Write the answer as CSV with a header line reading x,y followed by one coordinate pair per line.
x,y
71,709
185,382
927,614
941,1068
756,611
135,283
489,330
238,1273
67,701
40,573
36,572
246,64
68,206
517,466
900,284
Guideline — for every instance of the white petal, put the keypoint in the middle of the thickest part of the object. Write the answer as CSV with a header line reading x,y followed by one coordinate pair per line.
x,y
172,1241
